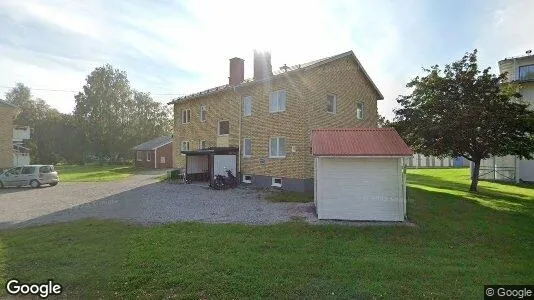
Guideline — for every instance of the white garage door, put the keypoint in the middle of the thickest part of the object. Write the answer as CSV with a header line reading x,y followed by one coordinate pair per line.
x,y
360,189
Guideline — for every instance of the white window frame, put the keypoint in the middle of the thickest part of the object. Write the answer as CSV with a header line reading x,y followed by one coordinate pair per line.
x,y
186,116
278,107
360,112
182,146
202,115
247,100
148,155
162,160
274,183
277,146
334,105
200,146
219,128
245,155
245,180
139,155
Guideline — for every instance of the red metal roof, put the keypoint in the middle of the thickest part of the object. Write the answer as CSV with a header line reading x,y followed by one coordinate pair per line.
x,y
358,142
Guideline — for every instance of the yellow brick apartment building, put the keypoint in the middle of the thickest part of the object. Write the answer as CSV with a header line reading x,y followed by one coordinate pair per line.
x,y
266,121
7,114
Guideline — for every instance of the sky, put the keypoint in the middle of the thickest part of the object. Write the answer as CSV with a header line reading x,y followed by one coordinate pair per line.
x,y
172,48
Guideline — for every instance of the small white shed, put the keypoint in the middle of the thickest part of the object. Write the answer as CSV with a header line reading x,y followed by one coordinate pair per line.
x,y
359,174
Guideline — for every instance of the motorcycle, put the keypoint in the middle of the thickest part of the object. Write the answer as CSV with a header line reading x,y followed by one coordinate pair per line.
x,y
225,182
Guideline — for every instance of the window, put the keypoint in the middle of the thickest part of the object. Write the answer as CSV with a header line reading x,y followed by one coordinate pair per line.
x,y
162,160
526,72
277,101
139,155
15,171
27,170
331,103
359,110
148,155
247,106
277,147
45,169
185,146
202,145
247,178
276,181
186,115
224,128
247,147
203,113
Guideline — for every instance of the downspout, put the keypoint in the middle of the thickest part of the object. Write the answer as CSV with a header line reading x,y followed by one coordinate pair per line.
x,y
155,158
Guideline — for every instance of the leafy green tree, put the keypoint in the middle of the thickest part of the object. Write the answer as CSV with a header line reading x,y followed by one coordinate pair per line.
x,y
150,119
55,137
383,122
463,111
102,111
113,118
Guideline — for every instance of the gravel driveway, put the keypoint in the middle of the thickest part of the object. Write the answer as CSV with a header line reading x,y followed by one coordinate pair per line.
x,y
141,199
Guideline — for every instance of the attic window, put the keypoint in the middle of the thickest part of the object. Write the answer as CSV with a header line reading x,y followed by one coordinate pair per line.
x,y
359,111
331,103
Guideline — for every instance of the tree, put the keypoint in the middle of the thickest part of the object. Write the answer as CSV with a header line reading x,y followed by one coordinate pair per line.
x,y
462,111
113,118
383,122
150,119
42,119
102,111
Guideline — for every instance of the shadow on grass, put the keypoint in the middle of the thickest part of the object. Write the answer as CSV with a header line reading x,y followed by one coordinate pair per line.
x,y
506,197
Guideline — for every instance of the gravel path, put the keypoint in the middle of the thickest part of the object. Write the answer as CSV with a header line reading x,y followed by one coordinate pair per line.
x,y
141,199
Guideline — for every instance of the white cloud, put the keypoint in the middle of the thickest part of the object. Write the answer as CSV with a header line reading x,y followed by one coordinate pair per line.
x,y
506,32
158,44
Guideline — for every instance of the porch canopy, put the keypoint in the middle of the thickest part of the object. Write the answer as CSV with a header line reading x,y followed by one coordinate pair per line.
x,y
204,164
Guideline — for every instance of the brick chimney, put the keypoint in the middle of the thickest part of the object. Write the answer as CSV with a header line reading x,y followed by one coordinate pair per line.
x,y
262,65
237,71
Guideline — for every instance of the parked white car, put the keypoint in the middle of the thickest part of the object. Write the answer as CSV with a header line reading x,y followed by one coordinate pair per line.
x,y
32,175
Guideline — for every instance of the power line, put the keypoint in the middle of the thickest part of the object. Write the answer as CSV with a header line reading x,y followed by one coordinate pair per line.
x,y
71,91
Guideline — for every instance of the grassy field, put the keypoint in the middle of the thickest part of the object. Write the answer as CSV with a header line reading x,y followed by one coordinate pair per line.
x,y
288,196
461,242
75,173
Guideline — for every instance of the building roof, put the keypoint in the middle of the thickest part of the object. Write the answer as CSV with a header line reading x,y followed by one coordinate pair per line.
x,y
211,150
7,104
358,142
518,57
289,70
154,144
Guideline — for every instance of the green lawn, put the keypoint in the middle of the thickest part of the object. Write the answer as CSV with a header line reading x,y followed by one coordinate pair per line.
x,y
288,196
461,242
75,173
